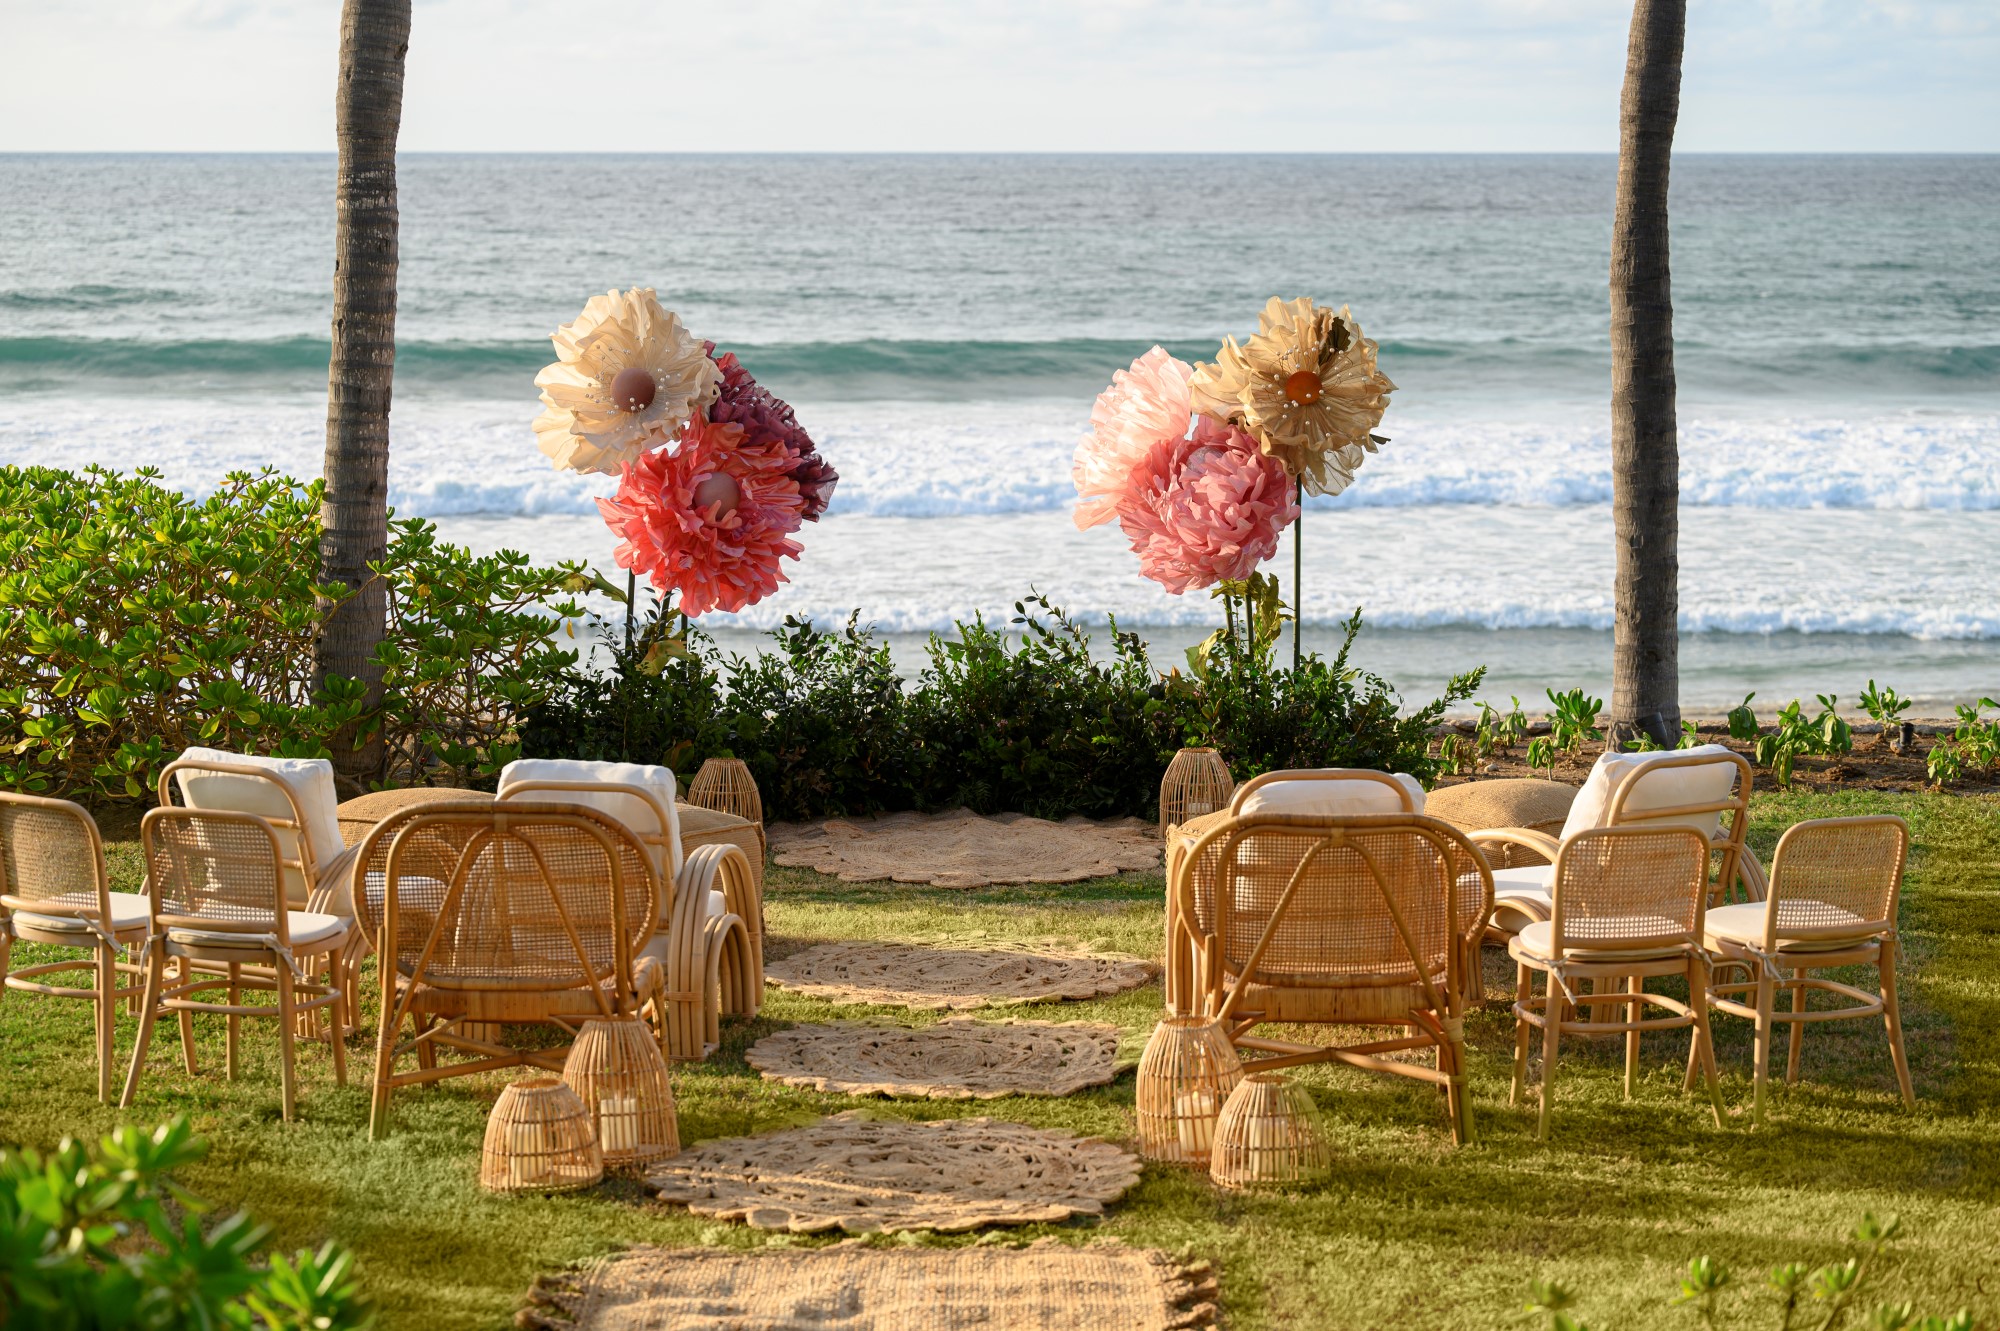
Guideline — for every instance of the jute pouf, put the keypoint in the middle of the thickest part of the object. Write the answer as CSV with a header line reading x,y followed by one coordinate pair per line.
x,y
359,815
1475,806
706,827
1046,1286
955,974
965,849
957,1059
867,1176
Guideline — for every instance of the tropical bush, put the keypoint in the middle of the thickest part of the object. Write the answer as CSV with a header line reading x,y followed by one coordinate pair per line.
x,y
105,1239
135,621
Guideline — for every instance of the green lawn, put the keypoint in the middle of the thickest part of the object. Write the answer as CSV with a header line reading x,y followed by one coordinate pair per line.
x,y
1411,1233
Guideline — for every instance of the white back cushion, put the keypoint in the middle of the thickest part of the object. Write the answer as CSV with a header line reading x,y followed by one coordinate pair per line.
x,y
1348,797
310,781
630,810
1706,783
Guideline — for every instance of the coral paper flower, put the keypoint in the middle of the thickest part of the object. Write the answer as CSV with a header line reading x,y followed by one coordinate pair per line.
x,y
1145,406
1306,386
1205,510
709,519
626,372
768,422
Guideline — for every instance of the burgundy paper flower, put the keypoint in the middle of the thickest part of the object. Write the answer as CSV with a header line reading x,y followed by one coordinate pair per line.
x,y
769,423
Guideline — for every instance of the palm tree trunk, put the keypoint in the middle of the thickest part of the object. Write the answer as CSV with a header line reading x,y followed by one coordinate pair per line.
x,y
1645,451
354,517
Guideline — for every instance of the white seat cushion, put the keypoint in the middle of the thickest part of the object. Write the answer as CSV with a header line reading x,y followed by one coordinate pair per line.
x,y
1335,798
129,910
1743,925
1705,783
1538,939
310,781
307,928
1528,880
633,812
716,905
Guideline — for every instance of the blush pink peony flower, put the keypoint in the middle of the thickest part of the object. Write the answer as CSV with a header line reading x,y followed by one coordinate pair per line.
x,y
1206,509
768,422
708,519
1145,406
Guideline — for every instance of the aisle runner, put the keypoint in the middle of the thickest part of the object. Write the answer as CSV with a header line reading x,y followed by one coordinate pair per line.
x,y
921,975
963,849
957,1059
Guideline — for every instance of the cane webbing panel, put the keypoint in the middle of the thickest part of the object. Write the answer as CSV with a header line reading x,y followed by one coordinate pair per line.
x,y
1630,888
1838,875
47,853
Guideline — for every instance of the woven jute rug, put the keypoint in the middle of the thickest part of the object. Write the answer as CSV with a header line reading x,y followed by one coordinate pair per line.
x,y
957,1059
952,974
965,849
1047,1286
866,1176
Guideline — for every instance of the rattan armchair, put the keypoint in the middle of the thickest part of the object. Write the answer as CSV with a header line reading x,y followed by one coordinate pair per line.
x,y
515,913
1628,906
54,891
1365,920
216,884
1832,901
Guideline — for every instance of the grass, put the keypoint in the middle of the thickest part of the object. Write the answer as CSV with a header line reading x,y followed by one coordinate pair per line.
x,y
1409,1233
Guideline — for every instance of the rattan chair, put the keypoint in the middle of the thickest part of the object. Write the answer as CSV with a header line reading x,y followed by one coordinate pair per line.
x,y
515,913
1367,920
1628,907
708,943
1832,901
218,893
54,891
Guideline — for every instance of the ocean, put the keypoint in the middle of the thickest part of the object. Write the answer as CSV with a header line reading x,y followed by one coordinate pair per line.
x,y
943,323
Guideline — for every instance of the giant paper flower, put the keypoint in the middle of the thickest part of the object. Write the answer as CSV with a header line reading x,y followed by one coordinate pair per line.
x,y
1145,405
1306,386
1206,509
709,519
768,422
626,372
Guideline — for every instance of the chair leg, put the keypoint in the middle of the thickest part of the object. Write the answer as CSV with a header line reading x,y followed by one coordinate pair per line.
x,y
149,1012
1704,1036
1761,1074
234,1034
1892,1017
337,1021
1798,1031
1523,1033
1633,985
288,1035
184,972
386,1031
107,1017
1551,1039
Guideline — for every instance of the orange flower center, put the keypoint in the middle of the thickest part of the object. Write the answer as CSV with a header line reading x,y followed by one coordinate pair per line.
x,y
633,389
1302,388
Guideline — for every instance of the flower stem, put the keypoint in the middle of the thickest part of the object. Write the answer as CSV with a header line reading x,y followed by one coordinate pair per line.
x,y
1298,572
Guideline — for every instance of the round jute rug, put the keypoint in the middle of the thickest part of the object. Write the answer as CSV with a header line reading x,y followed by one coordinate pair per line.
x,y
866,1176
957,1059
951,974
965,849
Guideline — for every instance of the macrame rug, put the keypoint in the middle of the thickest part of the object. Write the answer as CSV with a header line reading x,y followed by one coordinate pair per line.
x,y
957,1059
1046,1286
965,849
955,975
866,1176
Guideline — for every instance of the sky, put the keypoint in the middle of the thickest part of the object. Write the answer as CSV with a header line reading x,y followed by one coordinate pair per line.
x,y
1004,75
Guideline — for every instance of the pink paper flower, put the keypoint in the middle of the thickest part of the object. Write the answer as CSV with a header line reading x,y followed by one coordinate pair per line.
x,y
708,519
1145,406
1205,510
768,422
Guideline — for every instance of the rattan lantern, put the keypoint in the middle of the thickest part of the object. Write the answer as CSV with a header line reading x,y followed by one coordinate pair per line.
x,y
616,1069
1269,1134
726,786
1197,782
539,1138
1185,1076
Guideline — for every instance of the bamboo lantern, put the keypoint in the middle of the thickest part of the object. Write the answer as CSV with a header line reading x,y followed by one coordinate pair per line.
x,y
1197,782
726,786
616,1069
539,1139
1185,1076
1269,1133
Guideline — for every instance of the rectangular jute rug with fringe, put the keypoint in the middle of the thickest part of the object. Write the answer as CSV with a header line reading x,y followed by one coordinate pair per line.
x,y
1047,1286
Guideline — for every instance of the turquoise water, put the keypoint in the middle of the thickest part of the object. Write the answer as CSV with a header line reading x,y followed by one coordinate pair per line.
x,y
942,324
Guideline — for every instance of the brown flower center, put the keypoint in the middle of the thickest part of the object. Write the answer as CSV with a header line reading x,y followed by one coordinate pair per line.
x,y
1302,388
717,490
633,389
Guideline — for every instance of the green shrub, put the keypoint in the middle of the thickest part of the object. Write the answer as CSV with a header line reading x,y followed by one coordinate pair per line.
x,y
135,622
105,1240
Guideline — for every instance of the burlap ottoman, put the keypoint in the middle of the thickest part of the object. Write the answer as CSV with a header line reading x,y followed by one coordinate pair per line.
x,y
359,815
705,827
1530,802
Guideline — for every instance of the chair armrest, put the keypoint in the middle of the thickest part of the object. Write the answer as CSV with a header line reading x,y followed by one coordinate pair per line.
x,y
1525,837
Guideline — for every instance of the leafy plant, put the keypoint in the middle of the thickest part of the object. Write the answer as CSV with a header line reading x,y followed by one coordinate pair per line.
x,y
1835,735
1645,743
1573,719
105,1240
1451,755
1972,746
1884,707
1743,721
1542,755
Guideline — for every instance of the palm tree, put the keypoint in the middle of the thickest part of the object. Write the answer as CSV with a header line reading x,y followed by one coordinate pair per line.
x,y
1645,450
354,518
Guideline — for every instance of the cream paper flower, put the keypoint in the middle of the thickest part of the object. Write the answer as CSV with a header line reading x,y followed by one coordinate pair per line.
x,y
626,374
1306,387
